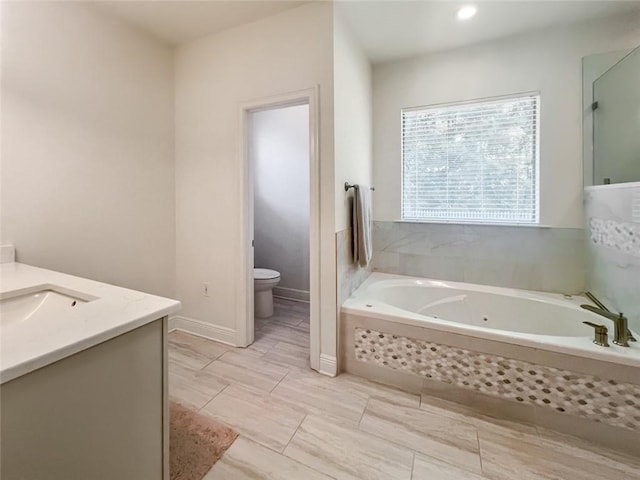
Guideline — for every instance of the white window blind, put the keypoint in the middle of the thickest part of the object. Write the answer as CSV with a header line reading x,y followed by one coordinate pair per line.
x,y
475,162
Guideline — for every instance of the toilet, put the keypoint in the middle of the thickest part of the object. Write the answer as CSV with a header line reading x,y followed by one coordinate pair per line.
x,y
263,282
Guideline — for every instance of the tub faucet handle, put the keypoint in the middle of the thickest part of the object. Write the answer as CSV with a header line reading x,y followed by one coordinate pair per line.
x,y
621,332
601,337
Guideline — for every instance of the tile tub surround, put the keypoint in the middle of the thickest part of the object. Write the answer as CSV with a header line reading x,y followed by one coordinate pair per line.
x,y
531,258
350,275
601,400
31,344
613,246
578,404
355,429
622,236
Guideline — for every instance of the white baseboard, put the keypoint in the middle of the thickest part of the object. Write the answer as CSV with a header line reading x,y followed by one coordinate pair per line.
x,y
291,294
328,365
203,329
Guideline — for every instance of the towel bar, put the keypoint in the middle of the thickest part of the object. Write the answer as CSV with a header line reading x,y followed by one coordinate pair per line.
x,y
355,185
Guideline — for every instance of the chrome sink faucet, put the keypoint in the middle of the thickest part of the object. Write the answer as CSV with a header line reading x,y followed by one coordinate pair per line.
x,y
621,332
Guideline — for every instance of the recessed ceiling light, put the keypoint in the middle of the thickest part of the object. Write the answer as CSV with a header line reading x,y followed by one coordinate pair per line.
x,y
466,12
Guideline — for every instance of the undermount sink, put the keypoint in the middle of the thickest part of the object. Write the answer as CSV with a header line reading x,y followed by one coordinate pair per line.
x,y
41,304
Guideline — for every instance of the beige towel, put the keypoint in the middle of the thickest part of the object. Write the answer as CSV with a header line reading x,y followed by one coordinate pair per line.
x,y
362,247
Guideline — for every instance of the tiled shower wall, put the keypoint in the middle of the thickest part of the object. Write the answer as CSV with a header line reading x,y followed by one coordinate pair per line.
x,y
546,259
350,275
613,247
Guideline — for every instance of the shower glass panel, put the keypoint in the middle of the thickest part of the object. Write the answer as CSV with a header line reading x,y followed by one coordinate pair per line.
x,y
616,122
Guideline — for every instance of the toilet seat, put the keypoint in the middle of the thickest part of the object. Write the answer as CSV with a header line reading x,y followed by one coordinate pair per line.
x,y
265,274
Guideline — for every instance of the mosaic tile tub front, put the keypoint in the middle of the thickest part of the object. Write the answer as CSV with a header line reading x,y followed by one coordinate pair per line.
x,y
598,399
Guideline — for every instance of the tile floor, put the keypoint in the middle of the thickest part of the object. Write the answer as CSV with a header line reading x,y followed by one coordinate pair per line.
x,y
297,424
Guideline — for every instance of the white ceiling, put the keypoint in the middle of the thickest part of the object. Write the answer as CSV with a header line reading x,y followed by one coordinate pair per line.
x,y
389,30
176,22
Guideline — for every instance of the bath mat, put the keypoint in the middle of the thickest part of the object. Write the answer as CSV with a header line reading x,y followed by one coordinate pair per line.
x,y
196,442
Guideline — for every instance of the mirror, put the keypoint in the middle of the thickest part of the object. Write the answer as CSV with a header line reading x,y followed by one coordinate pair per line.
x,y
611,86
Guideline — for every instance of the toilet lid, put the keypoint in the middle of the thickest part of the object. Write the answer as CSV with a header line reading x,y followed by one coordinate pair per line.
x,y
264,274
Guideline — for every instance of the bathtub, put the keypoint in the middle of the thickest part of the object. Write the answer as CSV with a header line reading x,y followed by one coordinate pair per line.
x,y
547,321
519,355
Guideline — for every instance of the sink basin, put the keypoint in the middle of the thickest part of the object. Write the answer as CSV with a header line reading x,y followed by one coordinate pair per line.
x,y
42,304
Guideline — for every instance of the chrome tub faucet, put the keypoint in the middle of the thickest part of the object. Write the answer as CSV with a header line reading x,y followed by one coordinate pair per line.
x,y
601,305
621,332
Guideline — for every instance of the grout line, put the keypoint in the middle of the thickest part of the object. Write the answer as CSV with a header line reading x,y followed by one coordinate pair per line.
x,y
403,446
202,368
298,462
413,465
280,381
215,396
479,450
363,412
448,462
296,431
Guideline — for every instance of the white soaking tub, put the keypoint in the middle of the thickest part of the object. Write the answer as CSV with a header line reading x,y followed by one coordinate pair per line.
x,y
515,354
546,321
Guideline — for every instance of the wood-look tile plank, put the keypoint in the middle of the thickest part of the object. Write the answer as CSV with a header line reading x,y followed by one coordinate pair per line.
x,y
321,395
252,361
286,313
248,460
248,370
287,334
506,457
284,319
193,351
371,389
285,306
287,354
552,439
444,438
429,468
262,344
344,453
193,388
508,449
258,416
467,414
298,326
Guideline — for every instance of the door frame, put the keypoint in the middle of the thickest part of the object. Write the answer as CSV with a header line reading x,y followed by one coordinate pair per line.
x,y
245,314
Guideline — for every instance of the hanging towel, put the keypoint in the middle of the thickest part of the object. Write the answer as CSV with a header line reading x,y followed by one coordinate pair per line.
x,y
362,248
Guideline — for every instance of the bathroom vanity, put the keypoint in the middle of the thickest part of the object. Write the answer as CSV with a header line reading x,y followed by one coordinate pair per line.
x,y
83,371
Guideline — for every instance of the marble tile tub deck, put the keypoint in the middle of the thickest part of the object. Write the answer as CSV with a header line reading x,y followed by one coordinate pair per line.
x,y
297,424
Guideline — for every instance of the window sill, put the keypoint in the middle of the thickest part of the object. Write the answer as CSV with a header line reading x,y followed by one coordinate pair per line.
x,y
479,224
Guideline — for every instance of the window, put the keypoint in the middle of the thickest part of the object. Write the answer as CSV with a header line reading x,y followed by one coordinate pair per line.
x,y
472,162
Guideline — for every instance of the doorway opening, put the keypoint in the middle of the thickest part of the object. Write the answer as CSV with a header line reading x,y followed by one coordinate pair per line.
x,y
280,300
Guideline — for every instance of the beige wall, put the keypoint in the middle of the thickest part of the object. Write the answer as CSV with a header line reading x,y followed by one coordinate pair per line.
x,y
352,97
548,61
87,145
287,52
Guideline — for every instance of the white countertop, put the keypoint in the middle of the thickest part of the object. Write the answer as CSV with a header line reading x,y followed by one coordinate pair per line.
x,y
31,344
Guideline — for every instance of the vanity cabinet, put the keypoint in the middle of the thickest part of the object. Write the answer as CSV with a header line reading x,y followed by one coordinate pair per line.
x,y
100,414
